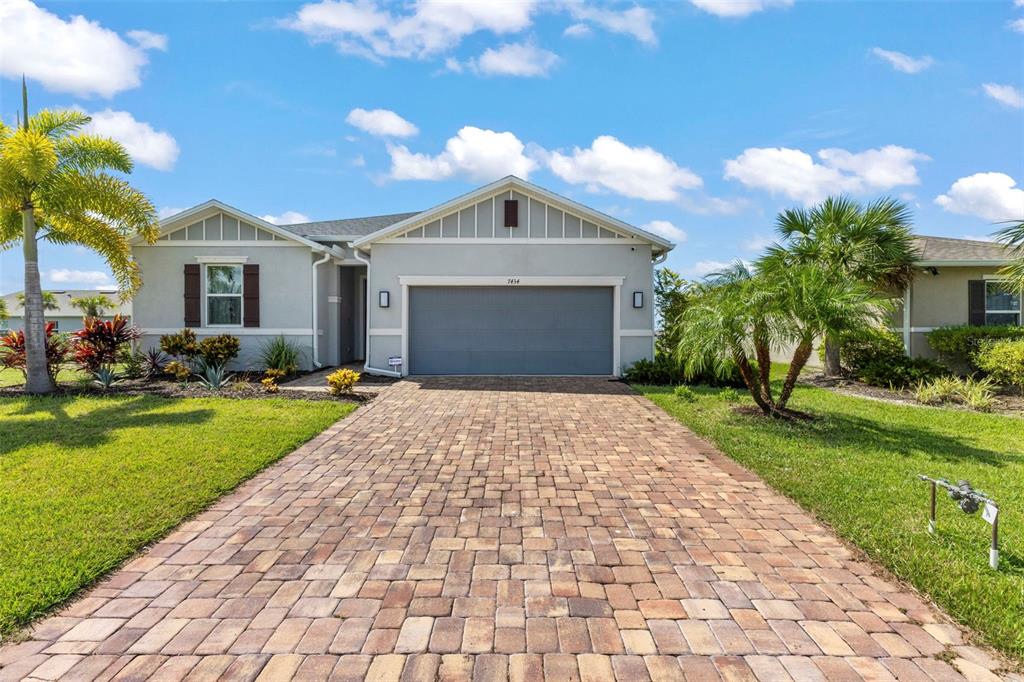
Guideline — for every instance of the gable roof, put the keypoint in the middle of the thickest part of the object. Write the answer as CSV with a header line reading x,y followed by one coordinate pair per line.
x,y
507,183
949,251
175,221
64,307
352,228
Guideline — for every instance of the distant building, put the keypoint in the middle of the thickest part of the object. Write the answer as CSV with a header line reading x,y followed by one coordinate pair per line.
x,y
67,317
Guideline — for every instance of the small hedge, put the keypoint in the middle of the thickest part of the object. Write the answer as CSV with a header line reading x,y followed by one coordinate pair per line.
x,y
959,345
665,371
1003,361
876,356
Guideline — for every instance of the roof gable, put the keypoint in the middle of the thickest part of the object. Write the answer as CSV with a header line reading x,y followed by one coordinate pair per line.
x,y
547,216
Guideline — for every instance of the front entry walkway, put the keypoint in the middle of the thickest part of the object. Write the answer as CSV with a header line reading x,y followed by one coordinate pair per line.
x,y
478,529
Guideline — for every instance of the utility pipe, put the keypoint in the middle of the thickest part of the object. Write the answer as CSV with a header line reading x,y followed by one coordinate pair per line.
x,y
366,343
316,311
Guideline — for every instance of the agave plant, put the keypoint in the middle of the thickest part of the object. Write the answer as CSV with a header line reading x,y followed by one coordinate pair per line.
x,y
213,376
105,377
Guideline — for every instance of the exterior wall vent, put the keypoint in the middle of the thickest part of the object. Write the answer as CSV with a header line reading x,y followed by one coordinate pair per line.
x,y
511,213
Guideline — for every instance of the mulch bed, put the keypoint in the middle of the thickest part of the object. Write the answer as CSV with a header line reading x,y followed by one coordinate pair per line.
x,y
1007,402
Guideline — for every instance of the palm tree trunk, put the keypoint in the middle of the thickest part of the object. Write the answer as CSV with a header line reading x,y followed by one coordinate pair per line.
x,y
37,379
833,368
764,369
753,385
800,355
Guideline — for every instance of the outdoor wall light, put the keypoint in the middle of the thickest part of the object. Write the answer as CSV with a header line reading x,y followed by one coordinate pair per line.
x,y
384,299
638,299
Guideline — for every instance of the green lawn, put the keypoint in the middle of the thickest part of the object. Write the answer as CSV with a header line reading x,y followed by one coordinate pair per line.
x,y
11,377
86,482
855,467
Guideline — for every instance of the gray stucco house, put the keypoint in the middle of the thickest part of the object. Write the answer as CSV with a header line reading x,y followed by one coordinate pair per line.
x,y
66,317
507,279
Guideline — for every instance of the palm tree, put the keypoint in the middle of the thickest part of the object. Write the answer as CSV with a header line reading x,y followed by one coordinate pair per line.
x,y
4,315
93,306
56,184
49,301
1013,236
872,245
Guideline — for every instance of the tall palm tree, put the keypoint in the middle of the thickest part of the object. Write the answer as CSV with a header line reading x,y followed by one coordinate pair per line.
x,y
4,315
871,244
1013,236
49,300
56,183
93,306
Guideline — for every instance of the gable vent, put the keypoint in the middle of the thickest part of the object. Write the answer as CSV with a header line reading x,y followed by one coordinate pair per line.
x,y
511,213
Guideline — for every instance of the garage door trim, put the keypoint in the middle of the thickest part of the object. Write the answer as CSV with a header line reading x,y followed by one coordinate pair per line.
x,y
511,281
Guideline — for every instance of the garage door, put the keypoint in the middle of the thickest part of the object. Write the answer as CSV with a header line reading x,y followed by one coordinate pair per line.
x,y
510,330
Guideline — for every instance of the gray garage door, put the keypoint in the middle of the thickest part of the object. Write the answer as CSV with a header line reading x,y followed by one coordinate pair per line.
x,y
510,330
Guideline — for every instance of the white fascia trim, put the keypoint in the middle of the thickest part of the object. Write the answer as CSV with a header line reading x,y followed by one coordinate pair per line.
x,y
506,281
508,183
508,241
234,331
222,259
961,263
226,244
382,331
636,332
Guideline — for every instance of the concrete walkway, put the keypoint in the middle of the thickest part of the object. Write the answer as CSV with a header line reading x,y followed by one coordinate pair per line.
x,y
500,528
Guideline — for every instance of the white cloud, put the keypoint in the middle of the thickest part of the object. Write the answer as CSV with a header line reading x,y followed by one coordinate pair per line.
x,y
903,62
577,31
703,268
757,243
1017,25
474,153
1006,95
432,27
168,211
89,278
637,172
991,196
286,218
737,8
511,59
148,40
149,147
637,22
795,174
667,230
381,122
74,55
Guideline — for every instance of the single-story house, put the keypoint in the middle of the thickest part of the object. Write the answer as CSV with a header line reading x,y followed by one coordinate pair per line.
x,y
957,283
66,317
507,279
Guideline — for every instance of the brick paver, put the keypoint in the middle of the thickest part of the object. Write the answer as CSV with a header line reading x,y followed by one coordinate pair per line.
x,y
491,529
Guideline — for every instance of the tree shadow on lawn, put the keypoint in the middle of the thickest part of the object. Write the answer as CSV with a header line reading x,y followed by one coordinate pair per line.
x,y
95,427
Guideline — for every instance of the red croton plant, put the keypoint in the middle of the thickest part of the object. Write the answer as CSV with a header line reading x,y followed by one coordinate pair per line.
x,y
98,342
12,350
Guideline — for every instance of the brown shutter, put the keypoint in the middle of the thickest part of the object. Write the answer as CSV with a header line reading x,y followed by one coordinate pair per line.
x,y
511,213
976,302
251,295
192,296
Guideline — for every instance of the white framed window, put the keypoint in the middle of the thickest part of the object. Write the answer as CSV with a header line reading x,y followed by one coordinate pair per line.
x,y
1002,306
223,295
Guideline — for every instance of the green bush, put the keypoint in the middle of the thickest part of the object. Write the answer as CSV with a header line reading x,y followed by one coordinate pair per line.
x,y
959,346
181,345
729,395
665,371
280,354
900,372
218,350
685,393
869,346
1003,361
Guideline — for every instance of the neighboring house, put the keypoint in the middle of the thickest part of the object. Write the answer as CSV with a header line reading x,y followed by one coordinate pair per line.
x,y
67,317
507,279
957,283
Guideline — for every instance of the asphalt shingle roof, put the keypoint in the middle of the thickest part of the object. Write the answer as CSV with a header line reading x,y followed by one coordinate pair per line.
x,y
347,226
948,249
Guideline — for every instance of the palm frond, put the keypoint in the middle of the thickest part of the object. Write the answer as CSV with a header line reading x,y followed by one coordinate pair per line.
x,y
88,153
57,124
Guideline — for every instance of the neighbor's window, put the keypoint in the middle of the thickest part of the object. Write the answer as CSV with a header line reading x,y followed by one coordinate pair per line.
x,y
223,295
1002,307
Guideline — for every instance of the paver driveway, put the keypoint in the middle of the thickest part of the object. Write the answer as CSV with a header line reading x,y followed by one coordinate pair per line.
x,y
477,529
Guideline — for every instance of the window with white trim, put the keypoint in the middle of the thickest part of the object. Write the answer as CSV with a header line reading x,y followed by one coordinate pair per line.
x,y
223,295
1002,306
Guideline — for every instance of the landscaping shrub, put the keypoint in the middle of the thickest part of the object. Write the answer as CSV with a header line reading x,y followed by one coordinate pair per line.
x,y
181,346
218,350
937,391
340,382
977,394
665,371
100,343
729,395
280,354
1003,361
900,372
868,346
270,379
154,362
213,375
178,370
12,350
959,346
105,377
684,393
133,361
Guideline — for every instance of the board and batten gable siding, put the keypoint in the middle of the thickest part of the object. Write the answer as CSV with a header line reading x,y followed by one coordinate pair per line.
x,y
220,227
285,296
396,258
486,220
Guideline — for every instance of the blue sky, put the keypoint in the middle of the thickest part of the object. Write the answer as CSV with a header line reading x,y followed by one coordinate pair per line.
x,y
700,120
